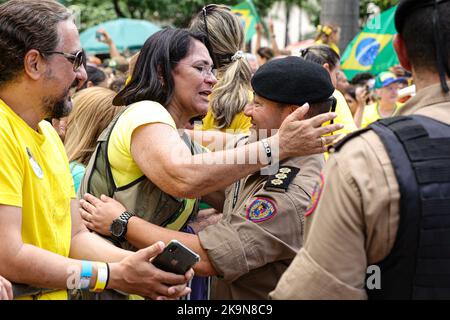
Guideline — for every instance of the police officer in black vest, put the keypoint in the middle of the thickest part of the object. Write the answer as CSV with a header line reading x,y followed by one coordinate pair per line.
x,y
380,224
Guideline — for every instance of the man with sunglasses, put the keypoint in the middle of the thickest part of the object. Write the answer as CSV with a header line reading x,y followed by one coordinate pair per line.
x,y
43,242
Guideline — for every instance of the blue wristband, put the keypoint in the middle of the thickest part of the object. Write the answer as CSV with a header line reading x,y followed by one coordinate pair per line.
x,y
86,274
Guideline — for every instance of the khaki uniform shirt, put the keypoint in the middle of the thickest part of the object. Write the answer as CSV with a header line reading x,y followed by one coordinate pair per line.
x,y
355,222
251,252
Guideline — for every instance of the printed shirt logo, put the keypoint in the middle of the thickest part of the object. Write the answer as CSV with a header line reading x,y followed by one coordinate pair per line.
x,y
315,196
261,209
34,165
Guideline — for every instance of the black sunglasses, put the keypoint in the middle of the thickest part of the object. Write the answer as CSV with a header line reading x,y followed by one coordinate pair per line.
x,y
77,59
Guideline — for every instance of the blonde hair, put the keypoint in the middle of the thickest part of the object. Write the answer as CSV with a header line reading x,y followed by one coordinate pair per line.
x,y
226,36
92,112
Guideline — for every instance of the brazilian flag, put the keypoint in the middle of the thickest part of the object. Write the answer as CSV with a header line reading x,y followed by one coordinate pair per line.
x,y
372,50
246,11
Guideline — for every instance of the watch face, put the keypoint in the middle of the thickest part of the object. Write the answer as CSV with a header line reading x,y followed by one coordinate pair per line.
x,y
117,228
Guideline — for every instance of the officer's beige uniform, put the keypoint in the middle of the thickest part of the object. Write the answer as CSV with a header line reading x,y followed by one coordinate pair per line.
x,y
250,250
356,219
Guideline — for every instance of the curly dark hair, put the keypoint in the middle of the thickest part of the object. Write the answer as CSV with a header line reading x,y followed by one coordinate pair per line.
x,y
26,25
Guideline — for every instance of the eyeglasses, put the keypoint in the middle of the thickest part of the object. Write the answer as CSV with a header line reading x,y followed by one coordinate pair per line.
x,y
76,59
204,70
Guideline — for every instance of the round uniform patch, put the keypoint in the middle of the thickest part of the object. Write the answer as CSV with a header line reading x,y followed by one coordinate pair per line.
x,y
317,191
261,209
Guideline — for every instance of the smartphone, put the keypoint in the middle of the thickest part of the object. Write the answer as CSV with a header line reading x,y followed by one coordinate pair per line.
x,y
99,36
176,258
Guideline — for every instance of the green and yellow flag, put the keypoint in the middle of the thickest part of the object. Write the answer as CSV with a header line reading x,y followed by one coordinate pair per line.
x,y
372,50
249,17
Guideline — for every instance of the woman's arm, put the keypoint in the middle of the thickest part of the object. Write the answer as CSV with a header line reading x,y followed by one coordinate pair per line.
x,y
98,214
169,164
213,140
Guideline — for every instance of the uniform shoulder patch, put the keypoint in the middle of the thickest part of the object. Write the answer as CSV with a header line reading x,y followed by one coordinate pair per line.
x,y
317,191
281,180
261,209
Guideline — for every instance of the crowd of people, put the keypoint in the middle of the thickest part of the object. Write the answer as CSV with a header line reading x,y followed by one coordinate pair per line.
x,y
287,179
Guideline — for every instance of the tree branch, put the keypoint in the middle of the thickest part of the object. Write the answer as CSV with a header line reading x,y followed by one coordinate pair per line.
x,y
119,12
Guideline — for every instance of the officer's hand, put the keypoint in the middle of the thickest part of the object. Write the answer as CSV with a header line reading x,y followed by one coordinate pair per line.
x,y
6,292
298,137
98,214
136,275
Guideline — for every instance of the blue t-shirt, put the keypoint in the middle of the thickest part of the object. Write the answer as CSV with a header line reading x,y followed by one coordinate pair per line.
x,y
77,170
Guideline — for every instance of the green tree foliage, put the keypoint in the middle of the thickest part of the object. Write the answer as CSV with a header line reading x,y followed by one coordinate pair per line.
x,y
179,12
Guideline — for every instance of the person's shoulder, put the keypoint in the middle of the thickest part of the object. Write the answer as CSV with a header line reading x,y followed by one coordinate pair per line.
x,y
362,146
145,112
145,106
48,130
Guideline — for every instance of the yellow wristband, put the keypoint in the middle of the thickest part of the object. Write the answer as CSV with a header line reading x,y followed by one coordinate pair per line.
x,y
102,277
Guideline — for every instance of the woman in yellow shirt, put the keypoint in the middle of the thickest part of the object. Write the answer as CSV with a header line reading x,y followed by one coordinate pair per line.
x,y
232,91
329,35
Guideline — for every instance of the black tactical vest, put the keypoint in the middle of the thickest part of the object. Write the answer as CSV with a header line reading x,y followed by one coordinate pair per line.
x,y
418,266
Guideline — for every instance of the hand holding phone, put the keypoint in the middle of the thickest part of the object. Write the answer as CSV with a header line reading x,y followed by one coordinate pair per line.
x,y
176,258
100,36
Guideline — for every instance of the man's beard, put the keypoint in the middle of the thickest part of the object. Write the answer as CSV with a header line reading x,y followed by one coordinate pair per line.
x,y
57,108
62,108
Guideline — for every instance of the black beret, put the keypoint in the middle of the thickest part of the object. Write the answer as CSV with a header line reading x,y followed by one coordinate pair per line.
x,y
292,80
406,7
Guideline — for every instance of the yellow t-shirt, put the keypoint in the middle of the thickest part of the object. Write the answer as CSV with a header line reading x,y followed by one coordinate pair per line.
x,y
372,114
35,176
240,124
344,115
123,167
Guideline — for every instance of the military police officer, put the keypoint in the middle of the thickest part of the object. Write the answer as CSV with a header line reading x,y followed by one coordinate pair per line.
x,y
379,226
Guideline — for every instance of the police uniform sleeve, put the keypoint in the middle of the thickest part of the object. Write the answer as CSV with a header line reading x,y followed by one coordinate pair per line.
x,y
267,228
352,224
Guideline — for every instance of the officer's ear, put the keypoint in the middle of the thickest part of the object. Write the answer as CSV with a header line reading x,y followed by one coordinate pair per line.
x,y
292,108
402,54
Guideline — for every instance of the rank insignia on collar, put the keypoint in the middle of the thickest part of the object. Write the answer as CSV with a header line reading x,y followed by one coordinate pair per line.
x,y
281,180
276,182
281,176
285,170
261,209
317,191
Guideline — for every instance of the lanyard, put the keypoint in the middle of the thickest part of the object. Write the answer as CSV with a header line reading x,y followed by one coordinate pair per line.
x,y
237,186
